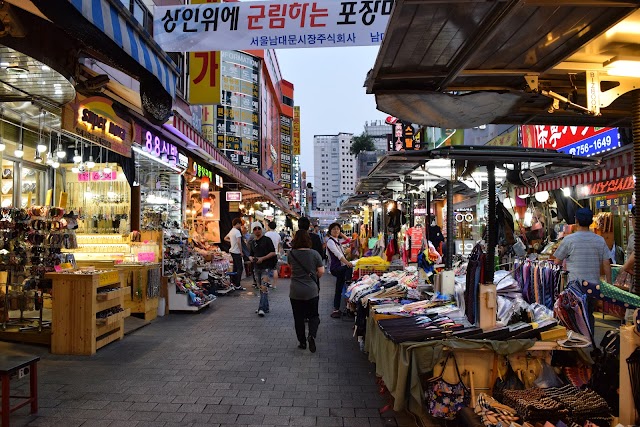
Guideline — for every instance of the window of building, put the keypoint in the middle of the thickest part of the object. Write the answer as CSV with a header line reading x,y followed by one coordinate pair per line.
x,y
140,13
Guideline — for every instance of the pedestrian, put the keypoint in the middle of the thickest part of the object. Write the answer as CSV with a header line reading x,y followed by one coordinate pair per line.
x,y
247,237
277,244
264,259
585,254
339,265
306,270
234,237
316,242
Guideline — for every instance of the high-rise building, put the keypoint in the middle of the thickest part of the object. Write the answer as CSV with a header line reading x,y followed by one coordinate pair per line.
x,y
378,129
334,169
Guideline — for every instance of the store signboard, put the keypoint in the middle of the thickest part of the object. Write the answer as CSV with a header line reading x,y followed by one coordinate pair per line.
x,y
200,170
606,187
286,124
95,119
595,144
560,137
234,196
409,142
97,176
219,181
204,73
296,132
607,202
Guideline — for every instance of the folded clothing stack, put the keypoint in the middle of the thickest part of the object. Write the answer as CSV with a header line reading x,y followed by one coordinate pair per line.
x,y
493,412
532,405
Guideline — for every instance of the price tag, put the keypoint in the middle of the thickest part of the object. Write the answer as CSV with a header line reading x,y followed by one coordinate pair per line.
x,y
109,278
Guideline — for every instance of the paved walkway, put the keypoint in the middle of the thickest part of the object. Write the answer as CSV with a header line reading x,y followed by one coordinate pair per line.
x,y
222,367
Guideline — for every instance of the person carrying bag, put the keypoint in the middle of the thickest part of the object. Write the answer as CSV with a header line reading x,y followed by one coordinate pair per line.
x,y
306,269
339,266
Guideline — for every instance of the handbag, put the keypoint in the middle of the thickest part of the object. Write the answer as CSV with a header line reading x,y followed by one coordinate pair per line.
x,y
306,270
444,399
510,381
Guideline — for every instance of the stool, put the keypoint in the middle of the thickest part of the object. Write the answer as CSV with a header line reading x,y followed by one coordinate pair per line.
x,y
9,367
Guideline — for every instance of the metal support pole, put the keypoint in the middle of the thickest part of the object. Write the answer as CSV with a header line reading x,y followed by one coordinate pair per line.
x,y
450,232
491,225
410,210
635,120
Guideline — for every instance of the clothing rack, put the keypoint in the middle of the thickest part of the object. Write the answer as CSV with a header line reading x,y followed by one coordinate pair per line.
x,y
541,281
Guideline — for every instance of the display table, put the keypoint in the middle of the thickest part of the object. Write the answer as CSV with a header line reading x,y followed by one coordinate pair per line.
x,y
144,281
81,302
401,365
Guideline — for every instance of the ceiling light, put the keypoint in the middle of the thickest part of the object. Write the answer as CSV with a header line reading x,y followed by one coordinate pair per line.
x,y
56,164
49,159
45,68
38,157
77,158
2,146
90,163
566,191
75,169
19,151
42,147
60,152
107,169
541,196
627,66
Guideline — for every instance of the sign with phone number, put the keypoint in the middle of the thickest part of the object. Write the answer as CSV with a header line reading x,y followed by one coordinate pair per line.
x,y
594,145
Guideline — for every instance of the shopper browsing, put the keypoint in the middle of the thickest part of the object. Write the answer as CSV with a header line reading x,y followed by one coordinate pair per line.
x,y
306,270
316,242
339,266
584,251
234,237
264,258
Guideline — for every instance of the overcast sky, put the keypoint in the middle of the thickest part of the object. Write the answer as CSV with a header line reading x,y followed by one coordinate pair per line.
x,y
329,89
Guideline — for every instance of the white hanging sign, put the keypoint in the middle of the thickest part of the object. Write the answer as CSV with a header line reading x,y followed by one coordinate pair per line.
x,y
270,25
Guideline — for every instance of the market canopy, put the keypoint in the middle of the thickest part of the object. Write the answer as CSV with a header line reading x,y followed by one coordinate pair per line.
x,y
465,63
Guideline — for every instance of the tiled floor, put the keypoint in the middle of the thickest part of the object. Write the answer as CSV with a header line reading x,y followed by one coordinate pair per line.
x,y
225,366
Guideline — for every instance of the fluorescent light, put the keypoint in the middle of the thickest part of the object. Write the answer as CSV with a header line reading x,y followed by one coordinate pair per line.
x,y
623,66
566,191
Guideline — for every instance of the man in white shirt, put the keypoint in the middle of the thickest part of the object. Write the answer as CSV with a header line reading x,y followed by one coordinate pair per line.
x,y
234,237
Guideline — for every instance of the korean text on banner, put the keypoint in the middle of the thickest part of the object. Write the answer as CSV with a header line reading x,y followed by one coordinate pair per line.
x,y
295,146
276,24
204,74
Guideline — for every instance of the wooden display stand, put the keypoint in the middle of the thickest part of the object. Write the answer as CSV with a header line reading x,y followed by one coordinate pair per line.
x,y
138,300
75,328
628,343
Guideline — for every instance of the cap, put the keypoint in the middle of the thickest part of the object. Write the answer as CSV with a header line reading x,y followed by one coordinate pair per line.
x,y
584,216
256,224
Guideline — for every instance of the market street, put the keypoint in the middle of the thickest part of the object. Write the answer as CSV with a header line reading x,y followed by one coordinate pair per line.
x,y
225,366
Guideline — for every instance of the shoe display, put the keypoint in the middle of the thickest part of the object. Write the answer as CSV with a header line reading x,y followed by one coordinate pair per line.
x,y
260,313
312,344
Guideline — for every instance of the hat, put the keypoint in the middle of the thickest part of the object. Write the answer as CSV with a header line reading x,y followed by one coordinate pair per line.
x,y
584,216
256,224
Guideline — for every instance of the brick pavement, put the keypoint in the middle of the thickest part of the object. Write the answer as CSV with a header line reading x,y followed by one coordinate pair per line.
x,y
222,367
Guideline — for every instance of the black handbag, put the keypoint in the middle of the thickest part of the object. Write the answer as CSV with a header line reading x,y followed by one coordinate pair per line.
x,y
306,270
510,381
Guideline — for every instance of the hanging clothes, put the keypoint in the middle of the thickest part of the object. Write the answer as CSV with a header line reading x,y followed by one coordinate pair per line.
x,y
541,281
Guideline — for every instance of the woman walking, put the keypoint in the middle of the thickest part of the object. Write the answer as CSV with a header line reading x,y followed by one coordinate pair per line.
x,y
306,270
339,266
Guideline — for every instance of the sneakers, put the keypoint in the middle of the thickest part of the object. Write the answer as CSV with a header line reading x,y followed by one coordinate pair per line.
x,y
261,313
336,314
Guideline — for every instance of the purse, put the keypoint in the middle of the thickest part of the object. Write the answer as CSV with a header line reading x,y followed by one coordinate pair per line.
x,y
444,399
306,270
510,381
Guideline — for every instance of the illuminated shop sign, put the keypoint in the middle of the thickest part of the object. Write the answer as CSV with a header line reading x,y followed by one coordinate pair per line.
x,y
576,140
159,148
95,119
607,202
234,196
604,187
200,170
219,181
97,176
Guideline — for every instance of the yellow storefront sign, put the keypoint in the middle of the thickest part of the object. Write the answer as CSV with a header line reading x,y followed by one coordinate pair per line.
x,y
204,74
296,132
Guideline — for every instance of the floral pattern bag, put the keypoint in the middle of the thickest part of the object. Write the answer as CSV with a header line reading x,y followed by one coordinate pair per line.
x,y
444,399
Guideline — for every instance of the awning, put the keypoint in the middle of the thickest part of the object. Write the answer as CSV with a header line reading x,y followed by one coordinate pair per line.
x,y
113,19
614,166
267,183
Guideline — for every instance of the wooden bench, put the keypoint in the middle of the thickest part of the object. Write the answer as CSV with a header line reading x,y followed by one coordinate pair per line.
x,y
11,366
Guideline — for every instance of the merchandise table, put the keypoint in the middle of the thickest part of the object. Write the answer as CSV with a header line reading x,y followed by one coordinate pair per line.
x,y
18,365
400,365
